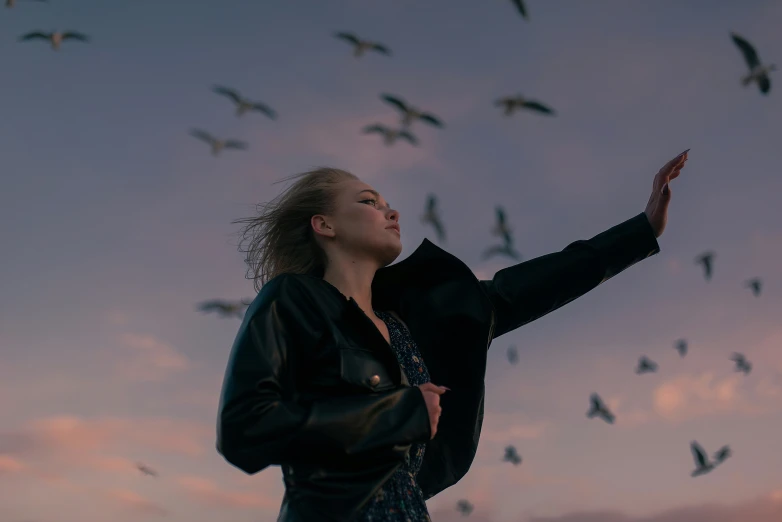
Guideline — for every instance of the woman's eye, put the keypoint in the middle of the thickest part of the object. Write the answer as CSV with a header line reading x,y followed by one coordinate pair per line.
x,y
374,201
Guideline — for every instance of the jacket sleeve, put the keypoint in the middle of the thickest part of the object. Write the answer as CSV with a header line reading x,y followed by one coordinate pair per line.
x,y
260,422
529,290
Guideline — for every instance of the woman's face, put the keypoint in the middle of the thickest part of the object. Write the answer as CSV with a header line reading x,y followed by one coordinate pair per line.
x,y
363,224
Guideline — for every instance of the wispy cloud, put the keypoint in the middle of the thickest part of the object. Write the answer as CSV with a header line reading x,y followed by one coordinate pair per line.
x,y
100,443
135,503
149,358
208,493
764,509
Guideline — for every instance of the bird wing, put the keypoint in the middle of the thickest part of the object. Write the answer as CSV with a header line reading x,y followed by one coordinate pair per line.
x,y
750,55
393,100
203,135
265,109
73,35
431,118
409,137
375,128
382,49
698,454
537,106
439,229
230,93
521,8
348,37
764,83
431,202
235,144
35,34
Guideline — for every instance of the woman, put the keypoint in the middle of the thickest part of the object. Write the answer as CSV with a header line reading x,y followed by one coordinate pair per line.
x,y
365,382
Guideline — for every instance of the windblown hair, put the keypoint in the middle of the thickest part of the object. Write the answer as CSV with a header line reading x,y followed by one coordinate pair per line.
x,y
280,238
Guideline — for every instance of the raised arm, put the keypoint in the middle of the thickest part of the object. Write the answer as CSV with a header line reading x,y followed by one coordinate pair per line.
x,y
260,422
529,290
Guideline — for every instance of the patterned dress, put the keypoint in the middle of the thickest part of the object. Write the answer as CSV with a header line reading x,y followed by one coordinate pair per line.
x,y
400,499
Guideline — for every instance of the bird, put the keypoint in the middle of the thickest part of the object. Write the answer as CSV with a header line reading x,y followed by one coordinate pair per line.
x,y
10,3
390,135
146,470
702,463
361,46
707,260
755,284
431,216
513,355
645,365
505,249
599,409
512,103
244,105
522,9
56,37
757,72
501,228
217,145
681,347
224,308
512,456
464,507
742,364
722,454
410,113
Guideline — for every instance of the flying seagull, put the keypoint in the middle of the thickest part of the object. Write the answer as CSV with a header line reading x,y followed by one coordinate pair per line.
x,y
681,347
757,72
410,113
742,364
513,355
645,365
522,9
755,284
702,463
432,217
391,135
244,105
599,409
464,507
722,454
146,470
216,144
56,38
512,456
224,308
11,3
707,260
512,103
361,46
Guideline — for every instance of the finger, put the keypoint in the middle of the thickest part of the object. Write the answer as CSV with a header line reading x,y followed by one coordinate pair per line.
x,y
675,161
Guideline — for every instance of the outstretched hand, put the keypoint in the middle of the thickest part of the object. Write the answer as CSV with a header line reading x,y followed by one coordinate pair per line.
x,y
657,207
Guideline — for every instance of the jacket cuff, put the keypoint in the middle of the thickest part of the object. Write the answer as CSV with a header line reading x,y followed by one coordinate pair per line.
x,y
626,244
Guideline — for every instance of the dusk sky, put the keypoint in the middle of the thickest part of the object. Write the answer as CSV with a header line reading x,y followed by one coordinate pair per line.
x,y
115,224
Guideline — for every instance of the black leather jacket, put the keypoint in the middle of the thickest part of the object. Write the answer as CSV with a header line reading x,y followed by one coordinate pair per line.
x,y
313,387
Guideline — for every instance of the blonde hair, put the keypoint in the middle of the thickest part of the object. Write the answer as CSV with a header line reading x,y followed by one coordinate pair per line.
x,y
280,238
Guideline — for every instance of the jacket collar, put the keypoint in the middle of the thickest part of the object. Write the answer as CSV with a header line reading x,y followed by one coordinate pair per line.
x,y
426,267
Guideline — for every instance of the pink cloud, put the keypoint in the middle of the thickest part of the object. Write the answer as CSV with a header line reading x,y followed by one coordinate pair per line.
x,y
9,464
764,509
210,494
149,358
132,501
107,444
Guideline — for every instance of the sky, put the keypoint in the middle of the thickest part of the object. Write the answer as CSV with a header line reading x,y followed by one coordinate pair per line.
x,y
115,223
